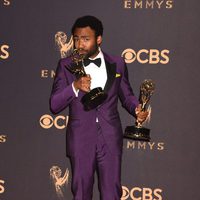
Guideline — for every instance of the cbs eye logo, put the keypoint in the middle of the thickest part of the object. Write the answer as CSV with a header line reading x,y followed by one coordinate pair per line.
x,y
137,193
144,56
47,121
125,193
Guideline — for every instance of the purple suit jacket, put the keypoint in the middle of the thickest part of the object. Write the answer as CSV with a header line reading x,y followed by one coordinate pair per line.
x,y
82,127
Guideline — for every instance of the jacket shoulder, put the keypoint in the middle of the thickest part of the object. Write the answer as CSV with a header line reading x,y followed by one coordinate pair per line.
x,y
113,58
65,61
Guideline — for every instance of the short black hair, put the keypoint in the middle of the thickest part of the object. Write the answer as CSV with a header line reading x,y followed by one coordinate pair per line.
x,y
91,21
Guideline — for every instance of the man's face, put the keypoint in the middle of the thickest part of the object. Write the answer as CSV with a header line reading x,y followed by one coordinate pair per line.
x,y
86,41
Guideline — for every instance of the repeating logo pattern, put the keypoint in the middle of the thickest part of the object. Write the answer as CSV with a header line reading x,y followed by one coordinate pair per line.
x,y
148,4
3,138
138,193
59,181
4,52
6,2
64,47
47,121
146,56
2,186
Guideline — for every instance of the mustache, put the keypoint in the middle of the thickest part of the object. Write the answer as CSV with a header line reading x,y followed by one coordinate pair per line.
x,y
82,50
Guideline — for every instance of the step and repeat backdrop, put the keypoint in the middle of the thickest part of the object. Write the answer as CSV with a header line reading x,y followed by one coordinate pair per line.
x,y
159,40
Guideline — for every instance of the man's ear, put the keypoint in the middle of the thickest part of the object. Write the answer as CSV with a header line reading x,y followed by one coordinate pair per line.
x,y
99,39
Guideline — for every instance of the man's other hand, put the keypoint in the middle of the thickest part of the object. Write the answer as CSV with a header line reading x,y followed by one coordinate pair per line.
x,y
141,115
83,83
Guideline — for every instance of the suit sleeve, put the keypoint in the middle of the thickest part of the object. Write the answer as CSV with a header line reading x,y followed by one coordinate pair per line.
x,y
62,92
127,97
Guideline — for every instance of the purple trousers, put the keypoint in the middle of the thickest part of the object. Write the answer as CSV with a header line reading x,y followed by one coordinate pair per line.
x,y
107,166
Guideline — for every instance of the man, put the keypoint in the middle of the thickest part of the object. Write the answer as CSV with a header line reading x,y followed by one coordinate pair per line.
x,y
94,137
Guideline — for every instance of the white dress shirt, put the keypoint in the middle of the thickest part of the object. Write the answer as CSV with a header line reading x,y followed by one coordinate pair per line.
x,y
98,74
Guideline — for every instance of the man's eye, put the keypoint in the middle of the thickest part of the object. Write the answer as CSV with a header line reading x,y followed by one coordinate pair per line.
x,y
86,39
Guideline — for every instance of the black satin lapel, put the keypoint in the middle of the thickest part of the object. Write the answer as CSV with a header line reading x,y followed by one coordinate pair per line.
x,y
111,72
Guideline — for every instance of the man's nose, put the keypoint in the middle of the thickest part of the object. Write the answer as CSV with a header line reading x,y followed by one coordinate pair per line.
x,y
80,44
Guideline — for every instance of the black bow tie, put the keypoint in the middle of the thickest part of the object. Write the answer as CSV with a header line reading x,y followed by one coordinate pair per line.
x,y
87,61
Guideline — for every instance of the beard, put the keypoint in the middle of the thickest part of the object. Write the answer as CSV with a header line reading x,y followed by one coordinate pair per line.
x,y
91,52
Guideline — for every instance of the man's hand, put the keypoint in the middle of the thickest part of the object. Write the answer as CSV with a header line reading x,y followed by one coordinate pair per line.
x,y
83,83
141,115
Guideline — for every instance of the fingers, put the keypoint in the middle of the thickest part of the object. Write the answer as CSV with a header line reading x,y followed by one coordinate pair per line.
x,y
88,75
138,109
83,83
141,115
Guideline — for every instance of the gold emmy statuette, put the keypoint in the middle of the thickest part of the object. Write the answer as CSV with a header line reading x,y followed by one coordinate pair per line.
x,y
138,132
96,96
